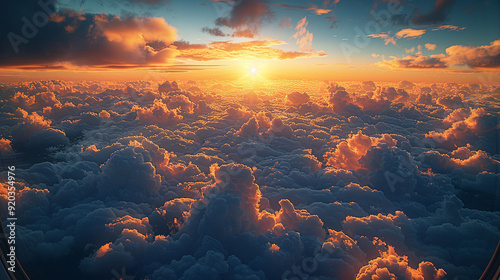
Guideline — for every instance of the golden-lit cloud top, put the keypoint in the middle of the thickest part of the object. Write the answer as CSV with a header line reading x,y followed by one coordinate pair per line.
x,y
251,50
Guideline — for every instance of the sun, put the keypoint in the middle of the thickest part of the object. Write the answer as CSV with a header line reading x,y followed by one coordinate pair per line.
x,y
253,71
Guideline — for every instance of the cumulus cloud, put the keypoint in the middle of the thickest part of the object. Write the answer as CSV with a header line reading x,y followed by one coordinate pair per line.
x,y
482,56
234,189
297,98
390,265
478,124
474,57
5,146
430,46
157,114
290,218
251,98
33,133
347,154
190,179
461,158
238,112
450,102
339,100
127,176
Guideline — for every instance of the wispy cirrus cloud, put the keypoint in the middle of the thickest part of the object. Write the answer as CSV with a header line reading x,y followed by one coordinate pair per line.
x,y
303,36
410,33
286,22
314,8
407,33
448,27
333,20
385,36
252,50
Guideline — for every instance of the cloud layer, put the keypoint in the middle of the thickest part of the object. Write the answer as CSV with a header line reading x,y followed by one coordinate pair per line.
x,y
203,180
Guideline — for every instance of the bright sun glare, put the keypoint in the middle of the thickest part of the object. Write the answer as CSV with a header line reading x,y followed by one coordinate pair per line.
x,y
252,71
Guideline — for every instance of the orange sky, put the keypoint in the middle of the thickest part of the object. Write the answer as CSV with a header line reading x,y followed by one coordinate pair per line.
x,y
269,70
334,41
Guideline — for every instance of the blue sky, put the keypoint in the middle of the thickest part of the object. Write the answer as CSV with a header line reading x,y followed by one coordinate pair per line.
x,y
480,19
416,37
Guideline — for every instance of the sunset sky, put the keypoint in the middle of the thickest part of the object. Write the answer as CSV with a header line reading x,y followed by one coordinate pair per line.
x,y
250,139
422,41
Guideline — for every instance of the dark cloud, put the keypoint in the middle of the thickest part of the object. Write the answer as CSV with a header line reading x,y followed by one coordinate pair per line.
x,y
440,13
182,180
82,39
214,31
333,21
246,17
